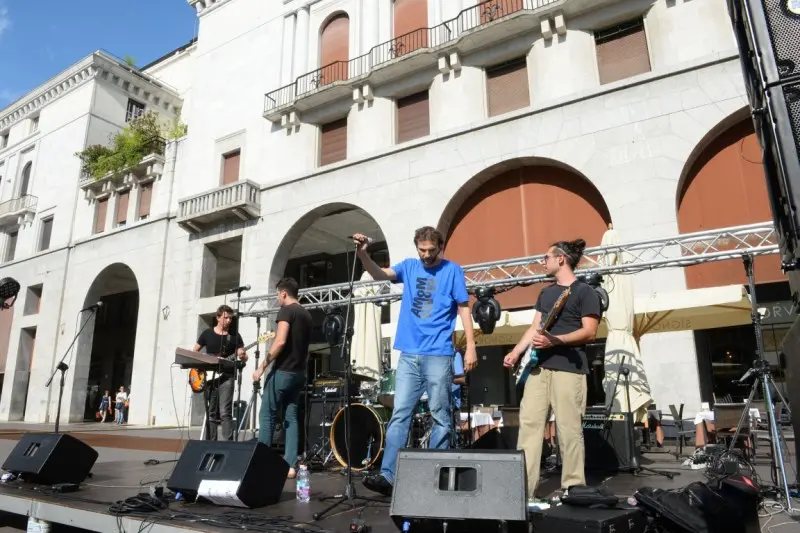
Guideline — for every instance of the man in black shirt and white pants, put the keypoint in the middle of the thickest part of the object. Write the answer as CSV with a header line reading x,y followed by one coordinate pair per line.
x,y
287,378
219,391
560,377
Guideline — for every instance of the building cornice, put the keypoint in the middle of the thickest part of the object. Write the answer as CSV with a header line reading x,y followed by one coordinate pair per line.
x,y
204,6
139,85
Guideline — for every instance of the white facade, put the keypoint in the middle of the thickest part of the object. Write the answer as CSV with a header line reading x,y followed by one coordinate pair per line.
x,y
631,138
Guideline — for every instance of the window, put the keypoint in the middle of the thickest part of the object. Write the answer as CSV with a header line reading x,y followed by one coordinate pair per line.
x,y
333,142
122,207
135,110
25,180
11,245
100,215
145,197
3,140
413,117
34,124
230,167
622,51
410,26
45,234
507,87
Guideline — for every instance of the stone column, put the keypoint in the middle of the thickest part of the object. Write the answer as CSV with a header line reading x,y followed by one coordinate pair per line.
x,y
385,17
287,53
301,43
133,204
111,212
370,30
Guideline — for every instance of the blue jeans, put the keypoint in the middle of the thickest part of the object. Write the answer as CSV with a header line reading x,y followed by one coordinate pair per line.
x,y
281,390
417,374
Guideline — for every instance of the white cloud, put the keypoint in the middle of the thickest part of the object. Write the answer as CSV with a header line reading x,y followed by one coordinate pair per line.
x,y
5,20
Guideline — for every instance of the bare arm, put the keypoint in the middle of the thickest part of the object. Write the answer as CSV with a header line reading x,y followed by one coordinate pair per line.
x,y
277,345
586,334
461,380
527,337
377,273
466,321
197,348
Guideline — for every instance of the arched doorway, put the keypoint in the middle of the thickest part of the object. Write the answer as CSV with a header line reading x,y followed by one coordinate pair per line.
x,y
316,252
506,213
724,186
106,346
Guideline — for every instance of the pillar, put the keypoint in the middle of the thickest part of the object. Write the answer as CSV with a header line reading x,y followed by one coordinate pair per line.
x,y
287,51
301,42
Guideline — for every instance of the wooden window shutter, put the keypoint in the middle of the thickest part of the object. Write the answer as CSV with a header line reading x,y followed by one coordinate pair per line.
x,y
100,215
497,9
230,167
410,25
507,87
334,51
333,142
122,207
413,117
622,52
145,196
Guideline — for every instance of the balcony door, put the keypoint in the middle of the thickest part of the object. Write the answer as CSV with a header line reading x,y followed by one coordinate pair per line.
x,y
25,180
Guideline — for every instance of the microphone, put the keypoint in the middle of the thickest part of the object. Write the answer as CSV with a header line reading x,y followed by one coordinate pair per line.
x,y
92,307
238,289
369,239
9,288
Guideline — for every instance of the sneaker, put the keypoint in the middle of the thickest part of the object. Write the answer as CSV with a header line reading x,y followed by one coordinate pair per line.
x,y
538,504
379,484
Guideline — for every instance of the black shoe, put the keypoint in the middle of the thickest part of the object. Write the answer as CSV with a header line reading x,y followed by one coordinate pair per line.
x,y
378,484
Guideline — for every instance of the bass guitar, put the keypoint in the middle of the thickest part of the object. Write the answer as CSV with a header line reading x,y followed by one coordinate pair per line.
x,y
530,359
198,379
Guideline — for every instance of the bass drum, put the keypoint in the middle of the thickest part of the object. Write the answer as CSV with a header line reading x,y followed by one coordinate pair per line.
x,y
368,435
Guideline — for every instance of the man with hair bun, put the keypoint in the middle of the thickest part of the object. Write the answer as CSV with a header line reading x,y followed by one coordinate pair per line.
x,y
558,379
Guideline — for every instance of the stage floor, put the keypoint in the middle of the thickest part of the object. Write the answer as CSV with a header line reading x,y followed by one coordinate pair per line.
x,y
121,473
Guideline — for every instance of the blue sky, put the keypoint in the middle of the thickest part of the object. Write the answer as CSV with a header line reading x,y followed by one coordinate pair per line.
x,y
40,38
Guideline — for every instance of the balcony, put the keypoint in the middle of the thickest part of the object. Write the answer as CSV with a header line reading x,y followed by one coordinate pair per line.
x,y
476,27
235,201
149,167
17,211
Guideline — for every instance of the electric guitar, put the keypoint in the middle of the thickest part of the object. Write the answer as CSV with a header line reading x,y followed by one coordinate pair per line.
x,y
198,379
529,359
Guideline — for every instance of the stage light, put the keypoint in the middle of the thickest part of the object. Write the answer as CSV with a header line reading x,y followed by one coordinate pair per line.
x,y
333,327
486,311
595,280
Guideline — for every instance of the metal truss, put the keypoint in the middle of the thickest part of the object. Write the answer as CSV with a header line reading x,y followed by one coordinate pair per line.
x,y
681,251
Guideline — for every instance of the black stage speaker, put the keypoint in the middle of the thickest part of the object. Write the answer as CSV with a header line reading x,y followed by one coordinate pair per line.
x,y
257,470
609,440
50,458
471,491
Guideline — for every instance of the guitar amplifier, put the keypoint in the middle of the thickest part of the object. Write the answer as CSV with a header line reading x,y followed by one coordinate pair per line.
x,y
609,440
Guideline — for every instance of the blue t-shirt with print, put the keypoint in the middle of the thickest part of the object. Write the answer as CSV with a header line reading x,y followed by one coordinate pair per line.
x,y
430,305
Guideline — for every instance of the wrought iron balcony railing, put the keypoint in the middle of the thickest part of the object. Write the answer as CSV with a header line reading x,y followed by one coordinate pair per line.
x,y
448,31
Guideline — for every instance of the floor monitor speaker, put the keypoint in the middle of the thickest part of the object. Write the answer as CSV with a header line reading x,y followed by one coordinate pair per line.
x,y
50,458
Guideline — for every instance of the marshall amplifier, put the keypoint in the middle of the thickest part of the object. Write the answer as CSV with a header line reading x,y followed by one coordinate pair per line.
x,y
609,440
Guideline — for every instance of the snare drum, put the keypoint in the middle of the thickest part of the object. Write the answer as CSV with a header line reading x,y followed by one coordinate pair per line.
x,y
368,435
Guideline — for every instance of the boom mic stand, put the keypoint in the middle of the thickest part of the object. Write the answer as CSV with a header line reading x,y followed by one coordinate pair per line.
x,y
349,494
762,369
63,367
252,404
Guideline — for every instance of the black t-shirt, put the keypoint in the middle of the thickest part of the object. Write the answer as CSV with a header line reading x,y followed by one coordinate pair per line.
x,y
582,301
294,355
219,345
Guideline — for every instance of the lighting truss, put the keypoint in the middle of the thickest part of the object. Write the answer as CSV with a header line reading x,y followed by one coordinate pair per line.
x,y
681,251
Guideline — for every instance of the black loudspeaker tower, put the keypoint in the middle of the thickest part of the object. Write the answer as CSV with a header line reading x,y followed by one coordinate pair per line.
x,y
468,490
768,36
50,458
259,472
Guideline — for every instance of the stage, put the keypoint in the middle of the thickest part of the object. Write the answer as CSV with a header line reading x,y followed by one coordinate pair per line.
x,y
121,473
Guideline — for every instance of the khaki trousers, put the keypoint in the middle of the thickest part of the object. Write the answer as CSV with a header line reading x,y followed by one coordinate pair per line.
x,y
566,392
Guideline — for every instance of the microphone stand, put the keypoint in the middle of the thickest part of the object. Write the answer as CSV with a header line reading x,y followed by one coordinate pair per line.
x,y
63,367
237,368
349,494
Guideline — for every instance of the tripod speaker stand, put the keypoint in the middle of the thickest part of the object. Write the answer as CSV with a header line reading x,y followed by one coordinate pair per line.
x,y
764,378
349,495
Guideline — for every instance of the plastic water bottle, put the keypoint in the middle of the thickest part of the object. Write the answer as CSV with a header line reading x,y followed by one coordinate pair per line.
x,y
303,485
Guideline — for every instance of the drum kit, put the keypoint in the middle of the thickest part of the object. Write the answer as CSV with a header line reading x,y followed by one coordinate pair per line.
x,y
371,408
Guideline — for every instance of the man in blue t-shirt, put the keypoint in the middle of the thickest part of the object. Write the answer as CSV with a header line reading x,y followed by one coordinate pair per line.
x,y
434,293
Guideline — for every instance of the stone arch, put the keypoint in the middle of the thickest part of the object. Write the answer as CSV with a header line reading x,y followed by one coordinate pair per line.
x,y
511,209
105,347
334,48
723,185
